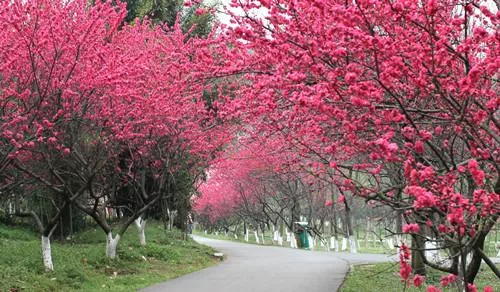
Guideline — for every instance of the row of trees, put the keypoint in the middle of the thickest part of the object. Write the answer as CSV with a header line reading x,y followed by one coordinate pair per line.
x,y
101,116
255,190
395,102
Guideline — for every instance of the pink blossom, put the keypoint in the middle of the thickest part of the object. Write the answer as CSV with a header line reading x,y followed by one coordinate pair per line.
x,y
448,279
438,130
427,173
199,11
418,280
359,101
471,287
431,288
419,147
455,217
480,32
424,200
405,270
442,228
404,251
351,77
392,147
52,140
411,228
477,174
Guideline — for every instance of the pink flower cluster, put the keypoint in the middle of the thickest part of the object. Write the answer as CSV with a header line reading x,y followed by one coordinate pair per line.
x,y
411,228
477,174
418,280
447,280
404,268
423,197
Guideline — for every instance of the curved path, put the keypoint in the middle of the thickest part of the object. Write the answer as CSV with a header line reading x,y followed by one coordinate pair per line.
x,y
249,268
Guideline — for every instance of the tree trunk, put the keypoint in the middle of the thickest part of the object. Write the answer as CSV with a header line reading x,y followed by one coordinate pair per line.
x,y
353,247
262,232
71,220
47,254
111,245
141,226
349,229
475,263
293,241
295,212
417,261
334,240
246,230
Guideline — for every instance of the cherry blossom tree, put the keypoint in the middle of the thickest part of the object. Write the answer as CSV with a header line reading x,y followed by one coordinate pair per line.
x,y
54,76
256,185
359,86
170,128
79,88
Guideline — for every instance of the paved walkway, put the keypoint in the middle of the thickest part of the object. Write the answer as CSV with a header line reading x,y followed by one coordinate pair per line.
x,y
249,268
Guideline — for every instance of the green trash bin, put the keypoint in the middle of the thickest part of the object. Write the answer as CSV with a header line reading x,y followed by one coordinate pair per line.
x,y
304,238
303,235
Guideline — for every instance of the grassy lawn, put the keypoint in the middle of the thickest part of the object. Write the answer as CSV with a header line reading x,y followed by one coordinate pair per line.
x,y
385,277
80,265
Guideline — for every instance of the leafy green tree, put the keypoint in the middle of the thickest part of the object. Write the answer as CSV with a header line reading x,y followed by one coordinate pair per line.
x,y
196,19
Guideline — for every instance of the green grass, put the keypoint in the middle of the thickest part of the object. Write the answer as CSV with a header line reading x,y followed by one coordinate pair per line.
x,y
385,277
80,265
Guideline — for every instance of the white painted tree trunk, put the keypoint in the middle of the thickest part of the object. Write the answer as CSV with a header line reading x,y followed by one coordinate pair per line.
x,y
256,237
141,226
280,240
262,237
47,254
334,244
312,242
293,241
353,246
275,235
461,286
111,245
344,243
246,235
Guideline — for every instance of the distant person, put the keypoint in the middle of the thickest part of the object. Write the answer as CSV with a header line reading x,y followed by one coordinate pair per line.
x,y
190,223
